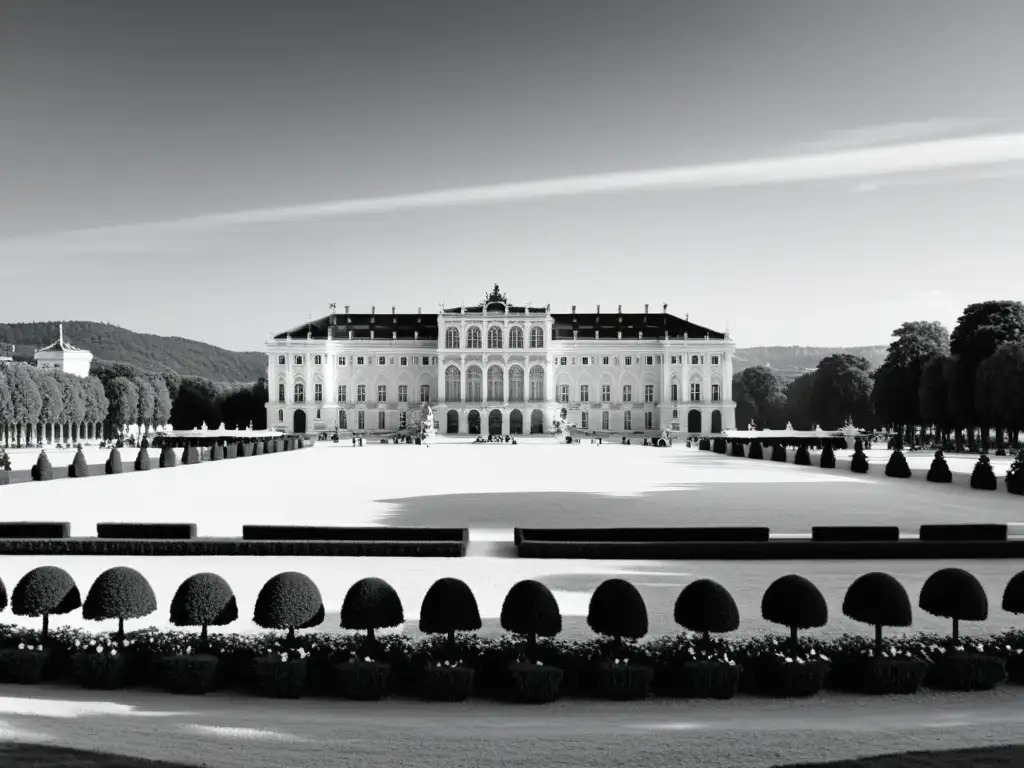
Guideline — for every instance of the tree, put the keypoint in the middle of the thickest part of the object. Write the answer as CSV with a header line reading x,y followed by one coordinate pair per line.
x,y
449,606
196,402
898,380
25,397
878,599
842,389
123,397
798,401
73,400
203,600
371,604
161,401
6,405
45,591
52,409
617,610
999,396
931,394
96,403
291,601
763,390
745,411
119,593
147,401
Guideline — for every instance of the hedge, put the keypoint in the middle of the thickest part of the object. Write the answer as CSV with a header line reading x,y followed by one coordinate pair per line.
x,y
146,530
330,533
34,530
968,532
855,533
629,535
219,547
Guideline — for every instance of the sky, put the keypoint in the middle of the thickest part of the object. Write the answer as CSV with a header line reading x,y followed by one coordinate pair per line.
x,y
809,172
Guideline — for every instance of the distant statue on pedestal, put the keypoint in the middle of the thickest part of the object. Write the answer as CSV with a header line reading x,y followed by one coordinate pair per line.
x,y
428,430
752,426
789,426
222,427
249,428
203,427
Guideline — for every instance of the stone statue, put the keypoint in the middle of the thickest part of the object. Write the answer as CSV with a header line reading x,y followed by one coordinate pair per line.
x,y
222,427
249,428
203,427
789,426
752,426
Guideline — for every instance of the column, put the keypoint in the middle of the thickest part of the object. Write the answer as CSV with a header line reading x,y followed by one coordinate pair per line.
x,y
727,383
549,379
505,422
462,380
705,393
685,382
504,380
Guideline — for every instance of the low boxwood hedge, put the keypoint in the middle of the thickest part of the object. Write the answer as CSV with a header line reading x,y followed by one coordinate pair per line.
x,y
229,547
330,533
146,530
626,535
34,530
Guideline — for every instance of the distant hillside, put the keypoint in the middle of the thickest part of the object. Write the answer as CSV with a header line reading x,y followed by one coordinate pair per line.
x,y
112,344
790,362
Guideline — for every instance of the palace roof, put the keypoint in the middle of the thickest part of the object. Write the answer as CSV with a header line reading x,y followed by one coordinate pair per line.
x,y
60,345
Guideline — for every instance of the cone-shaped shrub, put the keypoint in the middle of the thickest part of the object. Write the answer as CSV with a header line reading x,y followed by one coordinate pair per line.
x,y
617,610
531,610
370,604
1013,596
756,451
291,601
78,467
706,606
803,456
897,465
859,463
953,593
939,472
1015,475
983,478
113,463
142,460
794,602
878,599
42,469
449,607
45,591
779,452
167,457
3,595
828,456
119,593
737,449
202,600
190,455
144,443
719,445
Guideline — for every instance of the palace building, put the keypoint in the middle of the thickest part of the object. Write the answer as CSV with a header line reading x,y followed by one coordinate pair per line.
x,y
499,368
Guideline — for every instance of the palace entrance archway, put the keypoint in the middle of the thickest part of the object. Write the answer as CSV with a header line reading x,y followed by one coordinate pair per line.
x,y
716,422
299,422
515,422
536,423
494,422
693,421
474,422
453,422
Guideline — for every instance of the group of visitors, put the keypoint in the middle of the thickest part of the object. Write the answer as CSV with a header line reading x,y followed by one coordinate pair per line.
x,y
496,439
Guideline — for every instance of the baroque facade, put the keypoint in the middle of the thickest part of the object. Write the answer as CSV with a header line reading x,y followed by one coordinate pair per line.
x,y
498,368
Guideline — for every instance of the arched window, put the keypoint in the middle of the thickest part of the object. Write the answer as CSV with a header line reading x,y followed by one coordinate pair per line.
x,y
300,392
515,381
536,384
494,337
536,337
515,338
451,338
495,384
280,392
280,415
473,338
474,384
452,384
627,394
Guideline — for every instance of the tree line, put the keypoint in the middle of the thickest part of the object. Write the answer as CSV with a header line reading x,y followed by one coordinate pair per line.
x,y
955,388
46,404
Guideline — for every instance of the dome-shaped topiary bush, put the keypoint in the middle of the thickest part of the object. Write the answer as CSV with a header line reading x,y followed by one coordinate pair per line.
x,y
119,593
370,604
828,456
1013,596
45,591
1015,475
190,454
897,465
706,606
953,593
878,599
737,449
794,602
803,456
291,601
202,600
983,478
42,469
756,450
449,607
142,462
3,595
79,467
719,445
617,610
531,610
778,452
939,472
859,462
167,457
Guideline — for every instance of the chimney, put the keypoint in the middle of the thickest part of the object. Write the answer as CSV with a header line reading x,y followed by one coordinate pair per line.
x,y
60,330
664,308
392,310
574,309
599,309
647,308
346,309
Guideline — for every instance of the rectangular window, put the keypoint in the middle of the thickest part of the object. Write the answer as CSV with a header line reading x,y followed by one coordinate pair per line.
x,y
695,391
424,393
382,361
675,393
317,360
403,361
362,420
361,393
318,393
650,360
341,360
674,359
403,419
298,359
627,420
604,360
280,359
280,416
562,361
403,393
716,392
714,359
604,419
426,361
694,360
648,420
584,393
675,414
343,393
586,361
627,394
563,393
585,420
629,359
648,393
280,393
382,393
606,393
342,420
360,361
318,414
381,423
616,361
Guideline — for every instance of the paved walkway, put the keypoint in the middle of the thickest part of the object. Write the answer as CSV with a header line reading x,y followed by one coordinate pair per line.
x,y
231,730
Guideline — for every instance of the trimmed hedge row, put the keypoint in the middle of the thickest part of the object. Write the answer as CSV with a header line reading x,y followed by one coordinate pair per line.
x,y
146,530
330,533
135,547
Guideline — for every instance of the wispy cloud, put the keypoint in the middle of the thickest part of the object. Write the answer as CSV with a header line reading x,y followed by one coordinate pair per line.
x,y
894,133
872,164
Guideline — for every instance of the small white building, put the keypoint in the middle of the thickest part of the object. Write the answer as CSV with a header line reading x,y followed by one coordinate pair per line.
x,y
64,357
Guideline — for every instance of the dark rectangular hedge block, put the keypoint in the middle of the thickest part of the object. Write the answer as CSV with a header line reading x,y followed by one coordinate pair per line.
x,y
855,533
146,530
230,548
329,533
32,530
968,532
627,535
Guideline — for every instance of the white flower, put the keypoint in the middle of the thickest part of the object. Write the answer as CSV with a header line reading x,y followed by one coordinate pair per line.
x,y
99,649
540,663
284,657
113,651
980,647
21,646
788,660
368,660
824,657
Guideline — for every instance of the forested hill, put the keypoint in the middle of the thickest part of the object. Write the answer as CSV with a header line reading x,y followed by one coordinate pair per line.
x,y
148,352
789,362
